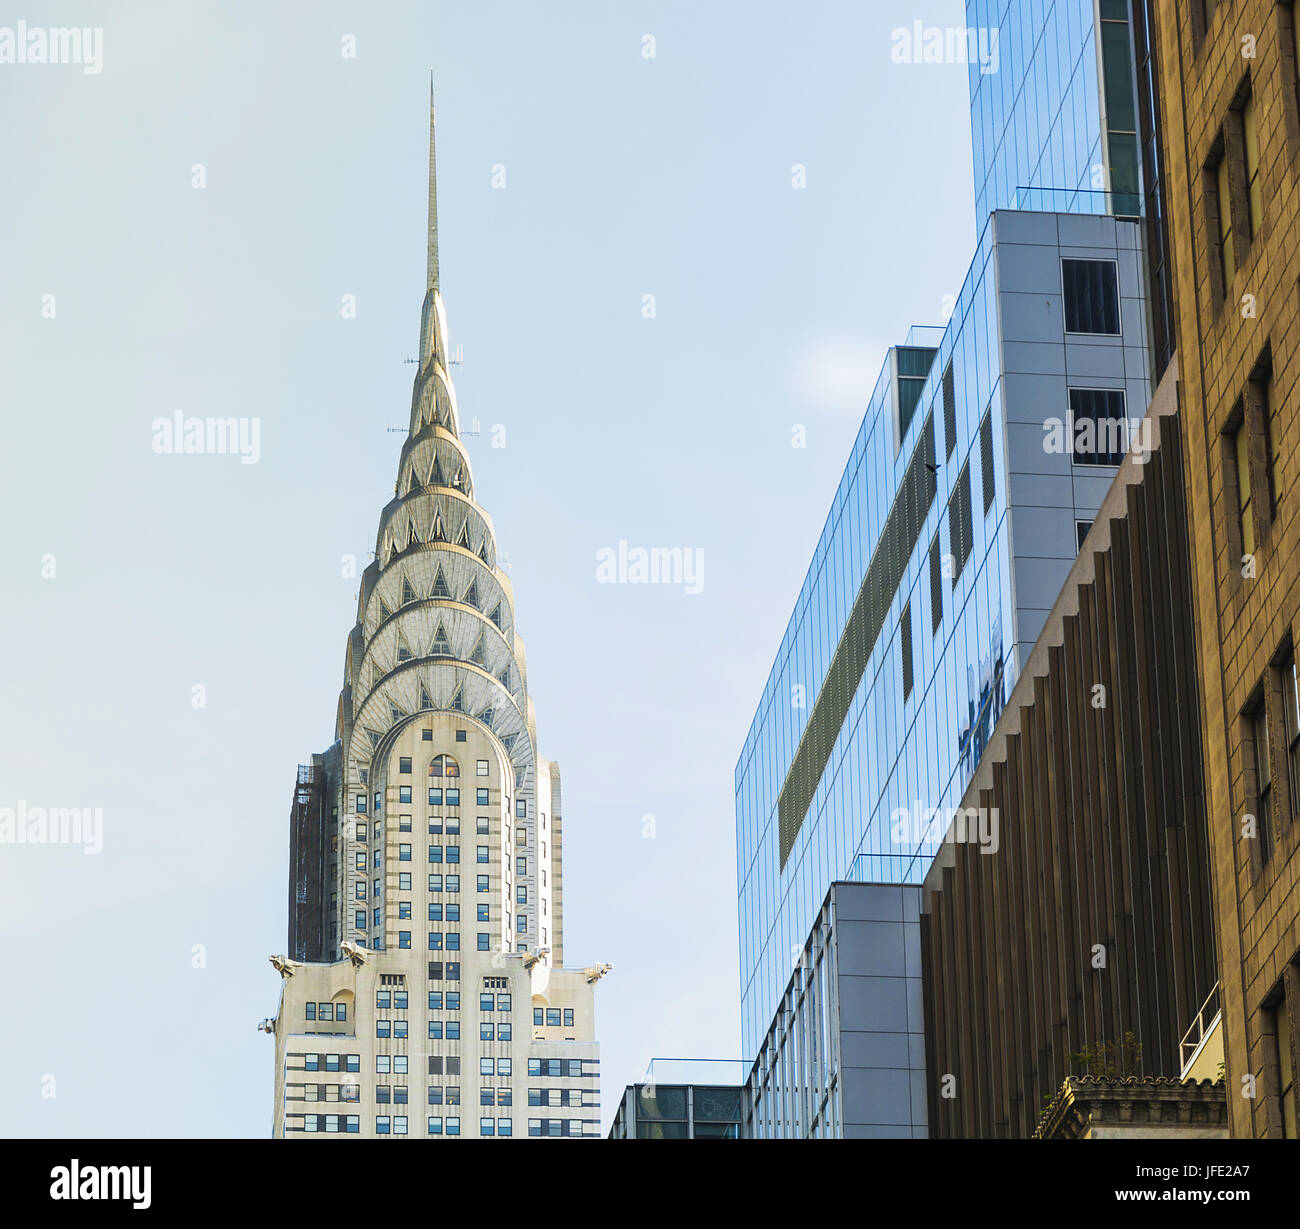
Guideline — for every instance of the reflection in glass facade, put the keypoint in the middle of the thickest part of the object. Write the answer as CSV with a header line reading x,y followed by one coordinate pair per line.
x,y
994,547
882,697
1055,127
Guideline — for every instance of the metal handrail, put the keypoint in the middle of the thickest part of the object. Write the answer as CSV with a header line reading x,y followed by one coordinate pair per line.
x,y
1209,1011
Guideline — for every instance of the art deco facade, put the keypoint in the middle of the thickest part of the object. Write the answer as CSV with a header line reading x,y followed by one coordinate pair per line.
x,y
1231,97
424,992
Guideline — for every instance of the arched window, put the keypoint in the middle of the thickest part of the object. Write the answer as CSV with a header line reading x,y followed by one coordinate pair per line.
x,y
444,766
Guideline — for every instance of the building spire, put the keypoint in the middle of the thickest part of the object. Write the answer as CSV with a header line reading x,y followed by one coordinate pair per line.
x,y
433,198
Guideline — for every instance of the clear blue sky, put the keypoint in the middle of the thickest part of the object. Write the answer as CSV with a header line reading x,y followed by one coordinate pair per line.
x,y
625,176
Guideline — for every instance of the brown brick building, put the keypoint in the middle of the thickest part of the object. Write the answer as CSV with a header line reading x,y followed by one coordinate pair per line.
x,y
1230,99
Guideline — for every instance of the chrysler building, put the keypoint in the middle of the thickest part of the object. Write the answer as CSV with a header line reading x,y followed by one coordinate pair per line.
x,y
423,992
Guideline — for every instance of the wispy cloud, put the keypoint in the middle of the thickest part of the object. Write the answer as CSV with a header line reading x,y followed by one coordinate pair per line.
x,y
836,374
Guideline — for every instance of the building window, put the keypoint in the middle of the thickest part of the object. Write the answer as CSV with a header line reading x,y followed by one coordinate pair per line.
x,y
481,768
1081,532
959,524
404,763
949,410
1098,426
1091,289
1263,782
1283,1028
521,808
403,938
443,766
986,460
482,797
1222,204
403,853
453,797
1260,418
912,365
936,585
1254,184
1291,13
1202,15
905,641
1245,503
1291,726
403,793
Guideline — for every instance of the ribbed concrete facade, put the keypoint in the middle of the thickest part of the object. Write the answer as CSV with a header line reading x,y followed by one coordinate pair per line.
x,y
1087,929
425,842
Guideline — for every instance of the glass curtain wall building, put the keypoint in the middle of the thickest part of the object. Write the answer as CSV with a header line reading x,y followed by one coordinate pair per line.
x,y
946,546
957,518
1070,122
1055,126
